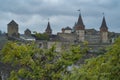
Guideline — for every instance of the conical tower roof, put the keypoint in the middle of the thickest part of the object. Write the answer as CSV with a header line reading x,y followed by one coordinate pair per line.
x,y
80,24
48,29
80,21
103,25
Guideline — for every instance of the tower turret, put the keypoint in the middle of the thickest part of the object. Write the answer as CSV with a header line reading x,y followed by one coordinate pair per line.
x,y
104,31
48,30
27,32
80,29
12,29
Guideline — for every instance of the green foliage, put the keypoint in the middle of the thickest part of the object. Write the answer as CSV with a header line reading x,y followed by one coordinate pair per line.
x,y
3,40
33,63
103,67
41,36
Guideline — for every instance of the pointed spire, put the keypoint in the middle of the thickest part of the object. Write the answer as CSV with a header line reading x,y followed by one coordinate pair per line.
x,y
80,21
80,25
48,29
103,25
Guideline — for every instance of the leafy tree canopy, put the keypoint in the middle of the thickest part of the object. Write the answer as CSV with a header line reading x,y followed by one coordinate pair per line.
x,y
33,63
103,67
41,36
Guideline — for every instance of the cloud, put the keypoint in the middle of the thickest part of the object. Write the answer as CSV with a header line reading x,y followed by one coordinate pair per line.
x,y
34,14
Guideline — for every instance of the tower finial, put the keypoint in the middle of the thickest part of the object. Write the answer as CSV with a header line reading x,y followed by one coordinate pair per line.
x,y
103,14
79,11
48,19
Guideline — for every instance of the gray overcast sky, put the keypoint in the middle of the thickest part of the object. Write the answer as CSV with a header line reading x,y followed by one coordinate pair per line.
x,y
34,14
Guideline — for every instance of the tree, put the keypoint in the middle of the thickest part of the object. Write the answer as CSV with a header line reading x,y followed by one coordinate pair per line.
x,y
33,63
103,67
41,36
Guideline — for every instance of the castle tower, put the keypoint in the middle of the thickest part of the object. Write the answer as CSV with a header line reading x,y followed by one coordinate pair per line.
x,y
27,32
12,29
48,30
80,29
104,31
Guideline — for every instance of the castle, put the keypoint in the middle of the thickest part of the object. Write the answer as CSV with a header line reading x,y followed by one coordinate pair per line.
x,y
80,34
76,35
68,36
